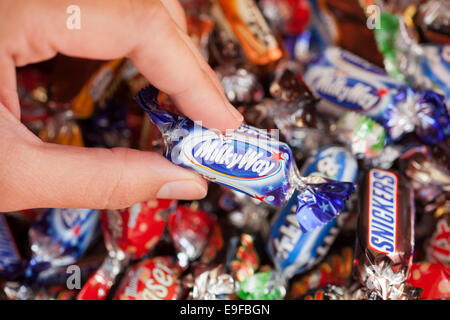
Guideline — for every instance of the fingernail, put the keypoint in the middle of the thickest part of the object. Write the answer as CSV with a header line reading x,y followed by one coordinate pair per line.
x,y
182,190
235,112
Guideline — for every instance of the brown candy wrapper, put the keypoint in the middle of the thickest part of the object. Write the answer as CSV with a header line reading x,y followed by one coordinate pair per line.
x,y
385,238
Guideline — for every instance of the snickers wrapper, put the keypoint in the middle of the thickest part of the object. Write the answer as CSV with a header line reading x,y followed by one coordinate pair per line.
x,y
385,236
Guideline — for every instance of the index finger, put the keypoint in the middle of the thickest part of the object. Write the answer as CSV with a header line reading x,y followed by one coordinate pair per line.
x,y
145,32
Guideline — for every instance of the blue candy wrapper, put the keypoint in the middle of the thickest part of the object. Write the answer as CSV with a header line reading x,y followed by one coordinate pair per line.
x,y
60,237
11,263
292,250
248,160
345,82
435,66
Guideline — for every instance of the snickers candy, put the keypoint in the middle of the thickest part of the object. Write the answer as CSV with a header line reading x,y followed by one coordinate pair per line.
x,y
385,236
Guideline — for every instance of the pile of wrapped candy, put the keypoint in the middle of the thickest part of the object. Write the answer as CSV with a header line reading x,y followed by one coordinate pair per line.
x,y
336,187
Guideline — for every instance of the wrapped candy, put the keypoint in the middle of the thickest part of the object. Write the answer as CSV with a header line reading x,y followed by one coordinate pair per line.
x,y
290,17
251,216
438,249
212,284
424,66
262,286
60,237
288,84
345,82
429,175
225,48
240,85
98,88
329,292
336,270
57,292
151,279
191,230
62,129
248,160
340,23
32,88
252,31
261,115
293,250
385,238
433,20
364,137
294,108
11,263
200,29
129,234
266,230
433,278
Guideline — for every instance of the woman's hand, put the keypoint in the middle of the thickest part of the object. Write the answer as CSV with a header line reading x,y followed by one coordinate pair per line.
x,y
152,33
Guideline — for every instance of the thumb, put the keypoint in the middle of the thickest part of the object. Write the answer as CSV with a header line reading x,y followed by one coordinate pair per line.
x,y
54,176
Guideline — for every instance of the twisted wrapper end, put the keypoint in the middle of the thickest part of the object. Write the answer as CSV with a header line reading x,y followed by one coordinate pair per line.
x,y
320,201
211,284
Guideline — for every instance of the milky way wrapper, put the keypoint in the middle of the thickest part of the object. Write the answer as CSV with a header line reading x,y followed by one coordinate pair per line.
x,y
248,160
60,237
385,236
346,82
421,65
293,251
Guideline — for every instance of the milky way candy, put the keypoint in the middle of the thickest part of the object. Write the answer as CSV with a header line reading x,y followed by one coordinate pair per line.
x,y
60,237
292,250
385,237
345,82
248,160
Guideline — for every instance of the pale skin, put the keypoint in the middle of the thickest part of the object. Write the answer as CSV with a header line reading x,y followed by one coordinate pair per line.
x,y
152,33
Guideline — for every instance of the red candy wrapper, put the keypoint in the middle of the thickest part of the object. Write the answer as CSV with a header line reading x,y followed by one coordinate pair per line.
x,y
129,234
190,230
288,16
439,247
135,230
433,278
151,279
